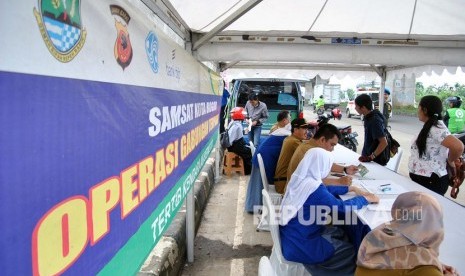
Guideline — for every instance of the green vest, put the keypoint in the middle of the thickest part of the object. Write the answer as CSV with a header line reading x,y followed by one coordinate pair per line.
x,y
320,102
456,119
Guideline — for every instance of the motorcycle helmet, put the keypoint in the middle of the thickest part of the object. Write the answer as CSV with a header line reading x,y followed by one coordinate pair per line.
x,y
238,113
337,114
455,101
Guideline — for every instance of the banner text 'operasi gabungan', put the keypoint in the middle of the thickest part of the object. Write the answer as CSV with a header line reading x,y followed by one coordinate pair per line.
x,y
65,231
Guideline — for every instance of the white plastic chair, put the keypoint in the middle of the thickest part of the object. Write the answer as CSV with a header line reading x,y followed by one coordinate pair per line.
x,y
276,197
252,147
265,268
394,162
280,265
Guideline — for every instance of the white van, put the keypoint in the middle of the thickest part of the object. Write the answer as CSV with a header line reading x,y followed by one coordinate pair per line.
x,y
277,94
374,94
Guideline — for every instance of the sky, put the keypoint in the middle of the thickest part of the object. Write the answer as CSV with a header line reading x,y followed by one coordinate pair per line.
x,y
434,79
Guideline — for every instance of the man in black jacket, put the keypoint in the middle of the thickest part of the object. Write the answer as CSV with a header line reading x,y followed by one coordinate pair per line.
x,y
375,135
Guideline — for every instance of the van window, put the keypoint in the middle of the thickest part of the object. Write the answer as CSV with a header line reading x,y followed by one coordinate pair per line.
x,y
275,94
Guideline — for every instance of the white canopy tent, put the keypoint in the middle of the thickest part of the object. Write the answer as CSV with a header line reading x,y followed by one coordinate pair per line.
x,y
325,37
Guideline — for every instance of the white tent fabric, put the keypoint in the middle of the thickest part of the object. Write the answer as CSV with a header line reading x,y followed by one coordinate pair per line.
x,y
296,74
391,18
405,36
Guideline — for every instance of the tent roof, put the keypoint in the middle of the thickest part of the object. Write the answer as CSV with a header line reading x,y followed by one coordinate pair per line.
x,y
341,35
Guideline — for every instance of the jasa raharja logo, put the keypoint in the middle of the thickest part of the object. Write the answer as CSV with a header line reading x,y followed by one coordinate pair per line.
x,y
151,48
61,28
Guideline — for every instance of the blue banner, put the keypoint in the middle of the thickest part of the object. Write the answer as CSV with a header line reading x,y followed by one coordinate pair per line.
x,y
84,164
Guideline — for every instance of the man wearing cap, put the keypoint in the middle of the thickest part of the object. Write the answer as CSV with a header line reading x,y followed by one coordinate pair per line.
x,y
387,106
327,136
299,129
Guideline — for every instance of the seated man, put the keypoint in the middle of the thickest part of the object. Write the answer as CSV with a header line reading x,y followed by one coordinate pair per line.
x,y
326,137
269,149
236,137
299,129
283,122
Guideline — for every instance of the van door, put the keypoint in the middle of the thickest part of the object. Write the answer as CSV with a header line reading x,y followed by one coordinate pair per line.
x,y
277,94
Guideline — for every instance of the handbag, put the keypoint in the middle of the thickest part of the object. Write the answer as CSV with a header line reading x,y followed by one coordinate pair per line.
x,y
392,144
224,139
456,176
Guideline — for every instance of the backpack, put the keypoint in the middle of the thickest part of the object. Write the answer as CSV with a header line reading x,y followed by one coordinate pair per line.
x,y
224,139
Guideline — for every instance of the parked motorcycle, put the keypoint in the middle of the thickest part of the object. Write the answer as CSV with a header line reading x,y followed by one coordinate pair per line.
x,y
319,111
348,138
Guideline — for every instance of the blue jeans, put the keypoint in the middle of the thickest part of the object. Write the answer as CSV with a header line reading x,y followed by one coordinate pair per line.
x,y
254,190
254,135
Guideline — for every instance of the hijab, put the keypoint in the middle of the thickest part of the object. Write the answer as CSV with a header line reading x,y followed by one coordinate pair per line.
x,y
411,239
307,177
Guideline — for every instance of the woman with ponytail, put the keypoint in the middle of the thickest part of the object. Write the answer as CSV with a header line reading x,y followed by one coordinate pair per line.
x,y
433,147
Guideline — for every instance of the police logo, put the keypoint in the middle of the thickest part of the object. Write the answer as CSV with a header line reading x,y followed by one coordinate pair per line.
x,y
151,48
61,27
123,48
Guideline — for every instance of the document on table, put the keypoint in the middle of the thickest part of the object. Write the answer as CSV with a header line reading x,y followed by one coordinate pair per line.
x,y
385,204
382,187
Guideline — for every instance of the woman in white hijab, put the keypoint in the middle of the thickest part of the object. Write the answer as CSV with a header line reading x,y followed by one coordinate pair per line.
x,y
306,236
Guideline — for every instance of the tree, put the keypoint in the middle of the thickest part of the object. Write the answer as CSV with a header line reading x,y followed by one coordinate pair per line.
x,y
443,91
350,94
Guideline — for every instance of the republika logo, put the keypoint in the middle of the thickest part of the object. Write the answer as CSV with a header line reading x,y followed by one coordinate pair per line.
x,y
123,48
61,27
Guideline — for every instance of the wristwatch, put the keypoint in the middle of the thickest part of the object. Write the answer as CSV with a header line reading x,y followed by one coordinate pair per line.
x,y
373,155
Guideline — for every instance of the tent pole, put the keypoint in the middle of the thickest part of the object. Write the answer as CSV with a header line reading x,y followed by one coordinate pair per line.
x,y
381,71
381,92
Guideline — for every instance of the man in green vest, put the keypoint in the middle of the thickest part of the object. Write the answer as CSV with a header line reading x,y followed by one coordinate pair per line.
x,y
320,105
455,115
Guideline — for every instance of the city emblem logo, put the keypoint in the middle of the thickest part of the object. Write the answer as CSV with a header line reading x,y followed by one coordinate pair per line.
x,y
61,27
123,48
151,48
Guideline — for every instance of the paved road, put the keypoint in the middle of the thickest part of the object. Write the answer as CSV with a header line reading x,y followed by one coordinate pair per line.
x,y
403,128
227,242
